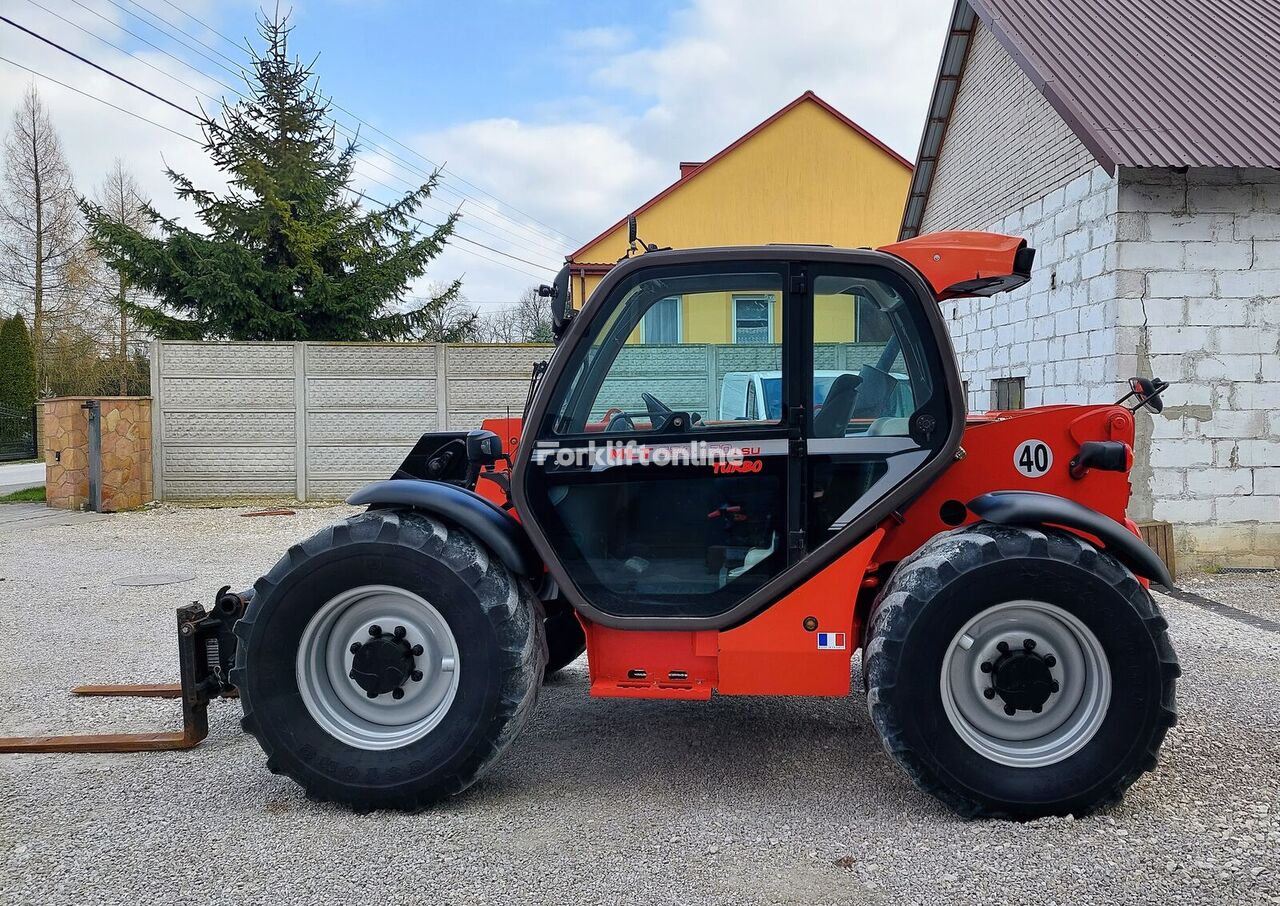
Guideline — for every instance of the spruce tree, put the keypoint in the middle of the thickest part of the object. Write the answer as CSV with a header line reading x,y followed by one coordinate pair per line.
x,y
17,365
287,253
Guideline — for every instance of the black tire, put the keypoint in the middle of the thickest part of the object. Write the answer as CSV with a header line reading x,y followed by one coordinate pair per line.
x,y
497,623
930,598
565,638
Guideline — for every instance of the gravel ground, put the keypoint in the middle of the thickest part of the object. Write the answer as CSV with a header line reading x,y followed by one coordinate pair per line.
x,y
734,801
1255,593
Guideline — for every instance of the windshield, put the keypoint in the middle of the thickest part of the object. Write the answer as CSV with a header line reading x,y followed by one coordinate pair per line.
x,y
773,394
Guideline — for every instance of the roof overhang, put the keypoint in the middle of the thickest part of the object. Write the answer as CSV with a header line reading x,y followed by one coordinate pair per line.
x,y
945,88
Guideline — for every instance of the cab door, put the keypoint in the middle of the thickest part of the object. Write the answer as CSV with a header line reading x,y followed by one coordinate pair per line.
x,y
878,394
657,502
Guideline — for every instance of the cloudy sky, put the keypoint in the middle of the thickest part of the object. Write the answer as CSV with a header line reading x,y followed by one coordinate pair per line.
x,y
553,118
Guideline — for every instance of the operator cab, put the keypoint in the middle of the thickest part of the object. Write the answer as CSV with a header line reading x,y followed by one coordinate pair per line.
x,y
652,503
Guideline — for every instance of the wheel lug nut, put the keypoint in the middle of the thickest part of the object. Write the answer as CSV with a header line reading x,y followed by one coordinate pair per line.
x,y
1003,647
1029,644
1010,710
1050,660
416,651
986,667
400,632
375,630
416,676
989,692
352,674
1054,687
372,694
1036,710
397,694
355,646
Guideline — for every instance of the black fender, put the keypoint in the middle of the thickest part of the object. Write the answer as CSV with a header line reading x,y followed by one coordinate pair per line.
x,y
497,530
1036,508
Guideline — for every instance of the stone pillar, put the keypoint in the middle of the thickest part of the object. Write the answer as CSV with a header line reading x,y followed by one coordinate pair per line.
x,y
126,452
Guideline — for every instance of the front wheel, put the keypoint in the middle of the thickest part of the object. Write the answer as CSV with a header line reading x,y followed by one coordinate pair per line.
x,y
1015,672
388,660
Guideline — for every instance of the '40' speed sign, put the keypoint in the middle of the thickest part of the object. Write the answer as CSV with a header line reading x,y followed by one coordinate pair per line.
x,y
1033,458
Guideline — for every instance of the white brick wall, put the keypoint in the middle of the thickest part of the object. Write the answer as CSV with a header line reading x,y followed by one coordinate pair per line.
x,y
1059,331
1004,147
1199,257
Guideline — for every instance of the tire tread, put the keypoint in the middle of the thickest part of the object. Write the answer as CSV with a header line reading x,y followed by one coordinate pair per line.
x,y
905,597
508,601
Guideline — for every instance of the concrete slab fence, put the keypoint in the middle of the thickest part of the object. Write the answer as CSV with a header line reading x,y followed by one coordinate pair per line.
x,y
315,420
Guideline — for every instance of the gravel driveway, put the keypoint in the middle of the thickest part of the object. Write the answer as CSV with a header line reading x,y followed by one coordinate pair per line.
x,y
733,801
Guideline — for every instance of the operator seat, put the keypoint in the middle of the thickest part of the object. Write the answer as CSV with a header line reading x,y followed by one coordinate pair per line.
x,y
832,420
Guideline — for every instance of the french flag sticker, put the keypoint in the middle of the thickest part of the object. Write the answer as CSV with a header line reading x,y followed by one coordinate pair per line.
x,y
831,641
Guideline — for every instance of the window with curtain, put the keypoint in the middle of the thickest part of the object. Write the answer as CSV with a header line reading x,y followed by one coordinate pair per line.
x,y
752,319
662,322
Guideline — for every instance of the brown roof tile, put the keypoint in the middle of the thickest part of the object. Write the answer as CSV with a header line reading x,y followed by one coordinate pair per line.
x,y
1150,83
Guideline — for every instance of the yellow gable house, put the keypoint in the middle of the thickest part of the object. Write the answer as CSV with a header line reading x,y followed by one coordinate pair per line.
x,y
806,174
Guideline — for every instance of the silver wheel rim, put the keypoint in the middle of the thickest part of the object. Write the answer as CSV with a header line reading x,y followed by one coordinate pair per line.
x,y
339,704
1068,719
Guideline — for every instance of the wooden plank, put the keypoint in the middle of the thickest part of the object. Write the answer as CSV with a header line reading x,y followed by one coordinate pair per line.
x,y
1159,537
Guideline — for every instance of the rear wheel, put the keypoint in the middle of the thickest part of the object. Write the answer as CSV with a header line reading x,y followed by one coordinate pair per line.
x,y
1017,672
387,661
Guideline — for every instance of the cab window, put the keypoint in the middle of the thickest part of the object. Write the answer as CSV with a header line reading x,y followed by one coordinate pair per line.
x,y
678,353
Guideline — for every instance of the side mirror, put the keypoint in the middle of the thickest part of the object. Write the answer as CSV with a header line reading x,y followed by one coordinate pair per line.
x,y
484,448
558,293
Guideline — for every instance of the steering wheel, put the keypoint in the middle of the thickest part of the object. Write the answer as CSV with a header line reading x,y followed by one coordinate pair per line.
x,y
653,404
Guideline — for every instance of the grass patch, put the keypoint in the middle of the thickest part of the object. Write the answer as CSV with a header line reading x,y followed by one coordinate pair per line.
x,y
28,495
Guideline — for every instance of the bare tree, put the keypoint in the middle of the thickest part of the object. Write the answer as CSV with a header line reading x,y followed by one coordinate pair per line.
x,y
42,265
451,319
120,198
528,321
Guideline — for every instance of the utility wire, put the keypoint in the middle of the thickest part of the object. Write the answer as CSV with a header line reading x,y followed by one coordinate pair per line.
x,y
240,72
392,138
101,69
203,119
463,238
197,142
136,116
449,213
471,224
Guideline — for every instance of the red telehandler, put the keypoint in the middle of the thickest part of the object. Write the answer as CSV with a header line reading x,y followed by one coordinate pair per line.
x,y
1014,661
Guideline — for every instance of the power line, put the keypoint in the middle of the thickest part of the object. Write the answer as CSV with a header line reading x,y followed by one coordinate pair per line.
x,y
136,116
117,47
197,142
386,135
204,119
463,238
533,236
102,69
239,71
514,239
440,210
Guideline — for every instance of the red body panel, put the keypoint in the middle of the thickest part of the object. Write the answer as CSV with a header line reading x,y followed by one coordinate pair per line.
x,y
774,654
990,441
